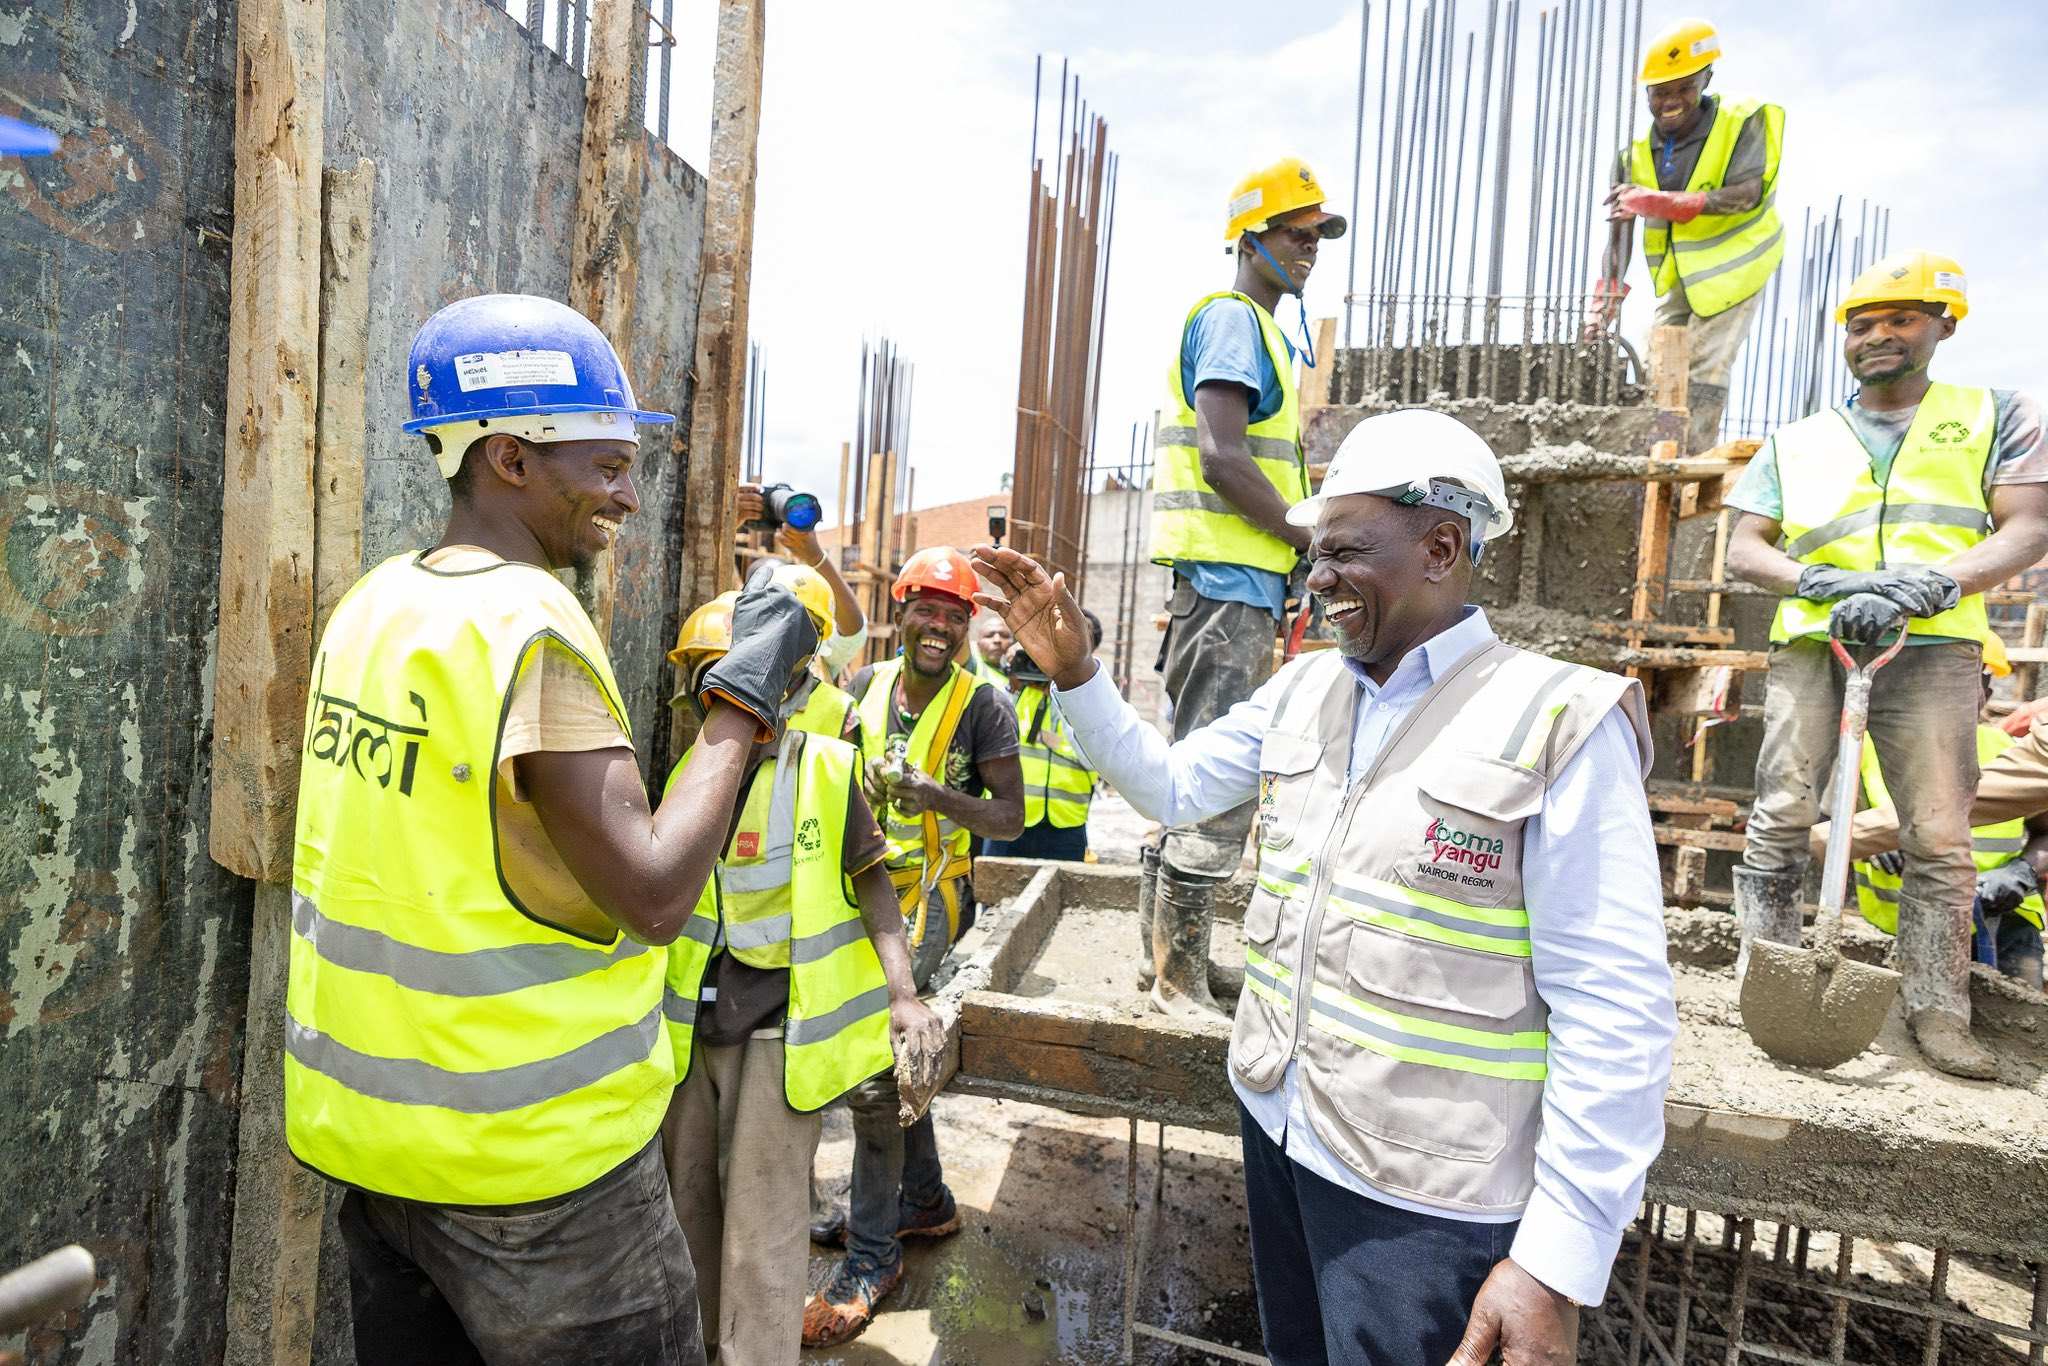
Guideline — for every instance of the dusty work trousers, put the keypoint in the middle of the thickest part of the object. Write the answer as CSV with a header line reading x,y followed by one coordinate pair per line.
x,y
1923,720
894,1169
1214,656
733,1143
600,1277
1711,343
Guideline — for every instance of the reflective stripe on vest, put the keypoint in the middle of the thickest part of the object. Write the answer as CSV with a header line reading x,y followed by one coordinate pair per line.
x,y
1723,258
1190,519
1991,846
1058,786
1387,958
1931,507
801,915
440,1044
904,832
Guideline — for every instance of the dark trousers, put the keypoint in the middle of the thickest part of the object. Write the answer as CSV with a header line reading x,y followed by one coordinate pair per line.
x,y
1043,840
894,1170
1344,1278
599,1277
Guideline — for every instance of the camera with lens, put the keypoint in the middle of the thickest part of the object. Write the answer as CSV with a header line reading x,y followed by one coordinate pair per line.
x,y
782,505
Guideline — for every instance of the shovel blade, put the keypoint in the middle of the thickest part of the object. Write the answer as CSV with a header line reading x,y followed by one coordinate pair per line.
x,y
1810,1008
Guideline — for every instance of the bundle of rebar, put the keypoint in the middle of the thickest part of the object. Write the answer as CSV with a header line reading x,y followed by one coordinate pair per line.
x,y
875,475
1069,222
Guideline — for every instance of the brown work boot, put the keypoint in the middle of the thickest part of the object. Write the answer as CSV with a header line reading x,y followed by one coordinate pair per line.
x,y
1180,940
844,1308
1945,1041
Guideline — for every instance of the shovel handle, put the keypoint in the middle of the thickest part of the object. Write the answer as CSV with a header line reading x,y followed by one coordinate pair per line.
x,y
1842,800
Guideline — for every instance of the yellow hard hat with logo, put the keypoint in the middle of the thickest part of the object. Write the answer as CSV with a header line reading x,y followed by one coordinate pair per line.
x,y
1997,662
1676,52
1909,277
1273,192
708,630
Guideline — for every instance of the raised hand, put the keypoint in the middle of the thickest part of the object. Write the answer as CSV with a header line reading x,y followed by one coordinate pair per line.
x,y
1039,611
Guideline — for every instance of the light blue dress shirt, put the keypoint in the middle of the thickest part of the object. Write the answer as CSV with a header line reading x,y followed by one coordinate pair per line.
x,y
1596,932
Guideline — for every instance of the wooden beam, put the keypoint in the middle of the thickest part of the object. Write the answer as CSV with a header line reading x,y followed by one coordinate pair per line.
x,y
715,406
1726,841
266,563
1742,661
604,242
344,363
1315,380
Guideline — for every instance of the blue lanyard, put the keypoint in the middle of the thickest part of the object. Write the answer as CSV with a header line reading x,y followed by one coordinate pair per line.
x,y
1307,347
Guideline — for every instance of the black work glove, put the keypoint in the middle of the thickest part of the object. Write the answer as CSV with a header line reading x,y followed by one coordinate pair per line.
x,y
1920,590
772,637
1825,583
1859,620
1892,861
2006,886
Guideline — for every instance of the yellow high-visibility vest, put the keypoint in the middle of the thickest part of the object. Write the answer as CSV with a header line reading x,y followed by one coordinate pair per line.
x,y
780,899
1058,784
820,708
441,1043
1930,508
1723,258
1190,519
1991,846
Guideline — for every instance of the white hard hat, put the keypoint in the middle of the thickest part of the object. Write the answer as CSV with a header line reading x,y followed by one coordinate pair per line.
x,y
1407,454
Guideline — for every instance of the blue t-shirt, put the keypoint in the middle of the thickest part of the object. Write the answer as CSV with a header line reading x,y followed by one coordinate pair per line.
x,y
1223,344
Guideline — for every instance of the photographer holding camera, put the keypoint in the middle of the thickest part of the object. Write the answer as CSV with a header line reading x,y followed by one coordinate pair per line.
x,y
756,506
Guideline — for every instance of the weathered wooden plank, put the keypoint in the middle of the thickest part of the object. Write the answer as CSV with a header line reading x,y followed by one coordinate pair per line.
x,y
604,245
344,363
1746,661
1727,841
1315,380
715,416
266,567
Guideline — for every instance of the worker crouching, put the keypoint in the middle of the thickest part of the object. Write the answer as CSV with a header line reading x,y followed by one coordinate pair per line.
x,y
790,985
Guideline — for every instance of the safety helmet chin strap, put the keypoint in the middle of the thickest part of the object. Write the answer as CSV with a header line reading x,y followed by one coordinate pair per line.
x,y
1308,349
1475,508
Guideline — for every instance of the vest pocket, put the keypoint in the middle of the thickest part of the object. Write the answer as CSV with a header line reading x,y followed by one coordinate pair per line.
x,y
1264,1028
1471,845
1407,1051
1287,769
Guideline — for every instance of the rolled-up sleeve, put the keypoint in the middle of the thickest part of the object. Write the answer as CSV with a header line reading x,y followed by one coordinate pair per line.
x,y
1596,930
1210,771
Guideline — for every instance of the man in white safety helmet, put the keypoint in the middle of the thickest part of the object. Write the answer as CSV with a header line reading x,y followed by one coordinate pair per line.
x,y
1455,1035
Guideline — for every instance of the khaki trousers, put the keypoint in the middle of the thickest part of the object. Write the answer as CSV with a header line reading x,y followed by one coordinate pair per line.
x,y
1711,343
733,1143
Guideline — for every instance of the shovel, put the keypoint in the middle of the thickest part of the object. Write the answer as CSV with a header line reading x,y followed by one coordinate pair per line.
x,y
1813,1007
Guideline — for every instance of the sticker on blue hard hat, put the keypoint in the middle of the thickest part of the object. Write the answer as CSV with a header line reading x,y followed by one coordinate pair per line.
x,y
504,369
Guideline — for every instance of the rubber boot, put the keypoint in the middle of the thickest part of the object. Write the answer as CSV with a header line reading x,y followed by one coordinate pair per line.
x,y
1148,900
1945,1041
1180,944
1705,403
1766,907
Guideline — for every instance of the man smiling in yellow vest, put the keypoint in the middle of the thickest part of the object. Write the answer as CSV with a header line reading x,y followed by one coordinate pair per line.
x,y
1893,512
1704,180
793,987
474,1036
1455,1035
1230,466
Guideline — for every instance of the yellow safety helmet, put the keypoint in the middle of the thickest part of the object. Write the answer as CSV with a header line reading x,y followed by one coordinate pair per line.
x,y
708,630
1996,662
1920,277
1273,192
1676,52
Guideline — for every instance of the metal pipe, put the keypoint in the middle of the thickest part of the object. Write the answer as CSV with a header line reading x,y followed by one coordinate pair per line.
x,y
1357,166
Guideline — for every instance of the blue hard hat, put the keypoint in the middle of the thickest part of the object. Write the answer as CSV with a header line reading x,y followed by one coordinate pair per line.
x,y
25,139
516,355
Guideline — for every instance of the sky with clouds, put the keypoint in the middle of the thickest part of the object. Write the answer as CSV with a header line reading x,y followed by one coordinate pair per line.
x,y
895,143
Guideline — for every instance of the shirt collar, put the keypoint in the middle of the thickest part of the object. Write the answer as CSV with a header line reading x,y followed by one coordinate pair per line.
x,y
1424,664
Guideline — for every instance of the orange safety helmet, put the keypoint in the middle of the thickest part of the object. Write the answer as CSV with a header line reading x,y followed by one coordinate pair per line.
x,y
941,569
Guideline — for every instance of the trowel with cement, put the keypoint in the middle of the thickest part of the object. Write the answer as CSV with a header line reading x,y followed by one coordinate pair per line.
x,y
1813,1007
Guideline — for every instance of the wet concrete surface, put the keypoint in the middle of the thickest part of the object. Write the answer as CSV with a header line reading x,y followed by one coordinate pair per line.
x,y
1036,1272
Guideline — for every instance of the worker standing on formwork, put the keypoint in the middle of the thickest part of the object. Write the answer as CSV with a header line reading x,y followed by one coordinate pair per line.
x,y
2008,912
474,1041
939,747
1453,1045
791,986
1229,467
1704,180
1893,512
849,633
1059,785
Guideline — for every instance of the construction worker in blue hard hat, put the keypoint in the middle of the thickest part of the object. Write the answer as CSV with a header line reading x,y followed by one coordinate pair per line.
x,y
795,987
1229,467
474,1036
1891,513
1703,177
